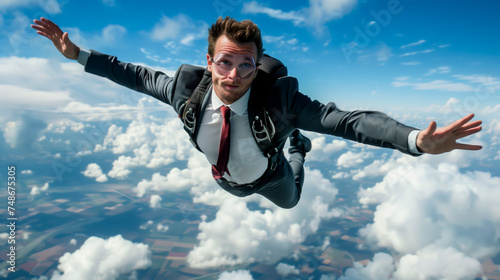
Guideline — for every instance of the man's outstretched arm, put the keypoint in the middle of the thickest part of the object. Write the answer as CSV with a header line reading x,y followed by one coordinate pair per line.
x,y
60,40
433,140
139,78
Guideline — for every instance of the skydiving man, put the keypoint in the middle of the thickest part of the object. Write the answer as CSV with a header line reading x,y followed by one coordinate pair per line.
x,y
244,117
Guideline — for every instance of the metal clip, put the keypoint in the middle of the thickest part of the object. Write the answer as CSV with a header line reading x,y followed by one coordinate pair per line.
x,y
190,120
259,130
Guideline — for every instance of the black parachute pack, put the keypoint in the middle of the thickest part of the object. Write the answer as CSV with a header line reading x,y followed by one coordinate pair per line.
x,y
263,130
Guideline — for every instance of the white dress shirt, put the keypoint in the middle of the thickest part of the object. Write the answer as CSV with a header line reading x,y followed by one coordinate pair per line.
x,y
246,162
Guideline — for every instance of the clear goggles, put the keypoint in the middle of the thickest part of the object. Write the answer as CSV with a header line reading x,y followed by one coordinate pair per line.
x,y
224,63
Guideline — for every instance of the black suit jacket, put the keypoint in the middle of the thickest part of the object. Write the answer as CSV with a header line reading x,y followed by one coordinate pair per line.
x,y
289,109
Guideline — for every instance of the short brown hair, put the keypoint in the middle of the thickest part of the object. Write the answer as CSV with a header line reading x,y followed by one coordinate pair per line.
x,y
237,31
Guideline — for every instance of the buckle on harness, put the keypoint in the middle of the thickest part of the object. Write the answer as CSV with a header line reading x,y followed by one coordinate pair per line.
x,y
190,120
263,136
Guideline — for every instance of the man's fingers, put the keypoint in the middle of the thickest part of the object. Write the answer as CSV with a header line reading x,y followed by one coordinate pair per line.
x,y
468,132
468,147
47,22
66,39
469,126
39,27
43,34
54,29
457,124
47,26
429,131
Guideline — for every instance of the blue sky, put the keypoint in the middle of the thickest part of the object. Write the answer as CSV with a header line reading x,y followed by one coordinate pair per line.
x,y
352,54
415,60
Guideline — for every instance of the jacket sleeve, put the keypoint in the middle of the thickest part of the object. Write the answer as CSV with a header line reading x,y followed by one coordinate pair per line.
x,y
173,91
367,127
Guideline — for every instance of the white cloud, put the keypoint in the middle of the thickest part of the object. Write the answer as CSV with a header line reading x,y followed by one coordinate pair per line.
x,y
236,275
351,159
17,27
98,112
488,81
256,8
181,28
384,52
4,236
61,125
103,259
48,87
411,63
494,131
417,43
491,110
197,173
441,85
146,225
121,166
262,235
24,134
452,105
417,52
321,150
113,132
112,33
10,133
380,268
315,15
285,42
273,39
381,167
156,58
429,211
6,4
439,70
73,242
153,142
35,190
137,135
155,201
161,228
429,263
169,28
37,73
323,11
94,171
50,6
24,98
284,269
437,263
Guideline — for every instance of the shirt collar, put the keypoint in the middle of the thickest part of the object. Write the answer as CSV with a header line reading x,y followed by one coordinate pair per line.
x,y
239,107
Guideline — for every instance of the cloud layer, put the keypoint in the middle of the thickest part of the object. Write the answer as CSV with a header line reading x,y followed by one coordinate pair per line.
x,y
438,218
239,235
103,259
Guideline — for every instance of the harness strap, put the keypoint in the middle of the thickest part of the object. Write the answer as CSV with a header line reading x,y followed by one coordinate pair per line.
x,y
192,107
263,131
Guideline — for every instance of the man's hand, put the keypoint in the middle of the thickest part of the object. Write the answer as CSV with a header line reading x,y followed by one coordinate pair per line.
x,y
61,40
442,140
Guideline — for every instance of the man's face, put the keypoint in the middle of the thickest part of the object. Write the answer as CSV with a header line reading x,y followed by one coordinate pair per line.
x,y
231,86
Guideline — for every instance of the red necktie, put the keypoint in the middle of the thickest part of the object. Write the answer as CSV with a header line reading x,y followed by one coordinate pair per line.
x,y
221,167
